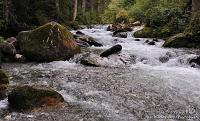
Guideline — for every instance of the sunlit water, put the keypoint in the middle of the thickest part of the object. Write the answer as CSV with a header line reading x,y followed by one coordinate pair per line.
x,y
130,86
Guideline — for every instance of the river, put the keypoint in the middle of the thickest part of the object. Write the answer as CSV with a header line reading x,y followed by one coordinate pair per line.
x,y
133,85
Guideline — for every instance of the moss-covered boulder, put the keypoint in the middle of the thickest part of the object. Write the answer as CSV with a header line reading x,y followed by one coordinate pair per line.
x,y
183,40
146,32
49,42
30,97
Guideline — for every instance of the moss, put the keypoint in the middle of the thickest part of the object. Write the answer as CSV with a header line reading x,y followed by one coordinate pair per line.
x,y
3,78
146,32
27,97
49,42
182,40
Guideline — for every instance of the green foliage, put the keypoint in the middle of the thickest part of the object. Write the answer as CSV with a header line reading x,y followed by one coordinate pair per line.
x,y
166,18
88,18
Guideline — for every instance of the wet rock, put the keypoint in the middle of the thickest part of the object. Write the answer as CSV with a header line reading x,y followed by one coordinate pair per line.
x,y
136,39
120,35
29,97
195,61
3,91
90,40
91,59
80,33
82,43
155,40
164,59
3,78
152,43
147,41
182,40
49,42
109,28
3,84
115,40
7,48
112,50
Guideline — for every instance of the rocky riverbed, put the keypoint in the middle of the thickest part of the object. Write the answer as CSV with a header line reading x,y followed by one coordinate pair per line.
x,y
142,82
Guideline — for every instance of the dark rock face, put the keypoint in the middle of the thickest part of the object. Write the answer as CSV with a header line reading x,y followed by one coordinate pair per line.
x,y
87,39
29,97
3,78
155,40
13,40
82,43
2,91
7,48
164,59
136,39
183,40
120,34
195,60
112,50
152,43
49,42
109,28
3,84
80,33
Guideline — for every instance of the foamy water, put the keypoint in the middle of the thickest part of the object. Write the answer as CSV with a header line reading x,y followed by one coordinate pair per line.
x,y
119,90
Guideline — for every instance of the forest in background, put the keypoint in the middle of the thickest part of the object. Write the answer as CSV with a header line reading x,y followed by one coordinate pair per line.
x,y
162,18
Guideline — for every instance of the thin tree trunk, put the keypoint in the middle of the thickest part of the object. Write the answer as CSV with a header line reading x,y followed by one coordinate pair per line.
x,y
57,8
92,5
83,6
195,5
75,5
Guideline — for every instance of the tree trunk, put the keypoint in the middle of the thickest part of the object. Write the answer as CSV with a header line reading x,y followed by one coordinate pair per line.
x,y
75,5
83,6
195,5
92,5
57,8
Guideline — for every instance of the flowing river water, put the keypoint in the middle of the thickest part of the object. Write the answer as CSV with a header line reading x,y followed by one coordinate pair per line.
x,y
143,82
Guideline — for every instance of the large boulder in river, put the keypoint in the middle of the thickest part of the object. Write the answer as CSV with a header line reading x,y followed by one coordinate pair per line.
x,y
182,40
29,97
49,42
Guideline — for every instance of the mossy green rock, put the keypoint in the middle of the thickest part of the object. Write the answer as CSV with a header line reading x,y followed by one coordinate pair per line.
x,y
146,32
30,97
3,78
49,42
183,40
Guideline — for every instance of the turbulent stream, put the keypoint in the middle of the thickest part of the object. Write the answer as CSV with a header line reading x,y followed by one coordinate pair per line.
x,y
143,82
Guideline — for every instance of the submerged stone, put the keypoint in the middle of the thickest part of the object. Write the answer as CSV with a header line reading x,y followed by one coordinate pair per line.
x,y
50,42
